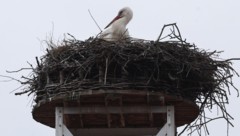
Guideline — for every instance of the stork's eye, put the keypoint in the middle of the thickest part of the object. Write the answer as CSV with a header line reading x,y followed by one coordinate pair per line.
x,y
120,12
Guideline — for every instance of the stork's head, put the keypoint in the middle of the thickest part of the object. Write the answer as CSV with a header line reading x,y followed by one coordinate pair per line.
x,y
125,13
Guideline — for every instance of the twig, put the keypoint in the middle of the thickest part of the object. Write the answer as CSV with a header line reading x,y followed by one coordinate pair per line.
x,y
11,78
174,25
232,59
18,70
160,35
39,66
106,71
17,89
94,21
183,130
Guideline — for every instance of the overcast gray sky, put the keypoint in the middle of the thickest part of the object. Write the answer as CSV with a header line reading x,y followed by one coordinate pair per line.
x,y
213,25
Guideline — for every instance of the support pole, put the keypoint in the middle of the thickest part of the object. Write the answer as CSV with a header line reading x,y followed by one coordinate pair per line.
x,y
169,129
61,129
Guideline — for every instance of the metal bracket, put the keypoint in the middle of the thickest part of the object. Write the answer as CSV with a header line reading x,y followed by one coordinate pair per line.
x,y
169,129
61,129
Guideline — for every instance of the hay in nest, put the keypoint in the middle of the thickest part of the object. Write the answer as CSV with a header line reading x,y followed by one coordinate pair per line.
x,y
172,67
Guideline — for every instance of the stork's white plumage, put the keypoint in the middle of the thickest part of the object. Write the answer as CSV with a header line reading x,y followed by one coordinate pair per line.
x,y
116,29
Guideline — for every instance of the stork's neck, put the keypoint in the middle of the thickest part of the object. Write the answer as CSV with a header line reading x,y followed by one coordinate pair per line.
x,y
120,24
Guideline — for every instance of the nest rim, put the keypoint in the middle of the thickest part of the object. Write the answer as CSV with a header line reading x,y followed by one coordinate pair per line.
x,y
186,111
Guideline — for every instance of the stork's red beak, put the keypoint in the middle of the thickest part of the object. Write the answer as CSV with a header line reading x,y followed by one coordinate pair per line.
x,y
116,18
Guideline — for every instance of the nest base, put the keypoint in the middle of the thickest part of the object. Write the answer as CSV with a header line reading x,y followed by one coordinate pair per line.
x,y
115,132
185,111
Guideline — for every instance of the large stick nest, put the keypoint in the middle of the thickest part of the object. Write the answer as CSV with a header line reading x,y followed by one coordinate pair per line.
x,y
172,67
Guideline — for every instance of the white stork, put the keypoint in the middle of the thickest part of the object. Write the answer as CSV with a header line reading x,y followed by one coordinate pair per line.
x,y
116,29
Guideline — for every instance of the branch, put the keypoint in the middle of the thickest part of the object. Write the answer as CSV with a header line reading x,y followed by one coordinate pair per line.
x,y
94,20
12,78
18,70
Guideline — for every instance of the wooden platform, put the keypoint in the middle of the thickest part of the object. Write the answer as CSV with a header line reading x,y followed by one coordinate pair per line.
x,y
103,109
